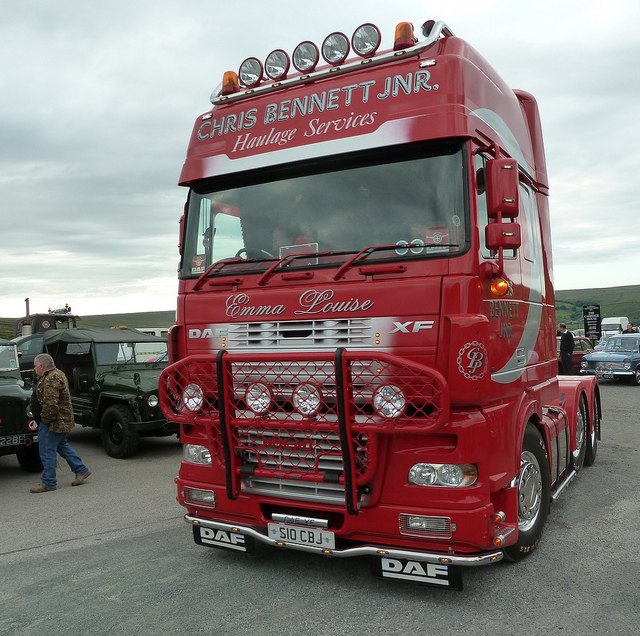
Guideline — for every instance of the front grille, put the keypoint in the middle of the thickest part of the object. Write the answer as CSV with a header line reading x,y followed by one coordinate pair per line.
x,y
319,492
611,366
12,418
301,334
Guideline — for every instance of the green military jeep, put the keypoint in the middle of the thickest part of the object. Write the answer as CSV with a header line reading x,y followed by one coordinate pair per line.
x,y
113,379
18,429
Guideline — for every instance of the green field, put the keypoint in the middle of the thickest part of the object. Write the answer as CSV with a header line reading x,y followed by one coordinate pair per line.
x,y
613,301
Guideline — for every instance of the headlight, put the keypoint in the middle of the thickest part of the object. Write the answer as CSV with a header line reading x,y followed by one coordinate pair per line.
x,y
199,496
366,40
28,411
451,475
335,48
152,401
389,401
627,364
250,72
192,397
305,57
277,64
306,399
195,454
584,364
258,398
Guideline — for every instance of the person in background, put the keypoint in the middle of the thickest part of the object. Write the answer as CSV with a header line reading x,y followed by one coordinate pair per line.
x,y
630,329
566,350
51,406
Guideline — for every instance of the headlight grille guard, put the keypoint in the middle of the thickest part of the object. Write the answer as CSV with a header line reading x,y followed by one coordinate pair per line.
x,y
347,381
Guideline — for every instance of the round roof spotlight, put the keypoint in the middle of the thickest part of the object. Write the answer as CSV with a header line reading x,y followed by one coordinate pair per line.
x,y
335,48
366,40
306,56
277,64
250,72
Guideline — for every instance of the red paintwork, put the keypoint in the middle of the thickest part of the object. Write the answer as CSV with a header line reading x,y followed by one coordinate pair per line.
x,y
485,418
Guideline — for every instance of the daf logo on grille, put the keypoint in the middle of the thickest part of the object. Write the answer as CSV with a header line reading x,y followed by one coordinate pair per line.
x,y
290,443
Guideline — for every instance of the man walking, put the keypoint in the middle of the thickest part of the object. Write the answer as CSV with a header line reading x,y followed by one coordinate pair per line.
x,y
51,406
566,349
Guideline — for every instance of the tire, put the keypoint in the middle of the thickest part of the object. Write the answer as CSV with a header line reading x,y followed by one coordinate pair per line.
x,y
582,435
635,378
117,437
592,440
534,496
29,459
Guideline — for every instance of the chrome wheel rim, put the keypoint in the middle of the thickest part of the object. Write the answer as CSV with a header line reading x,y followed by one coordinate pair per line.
x,y
529,491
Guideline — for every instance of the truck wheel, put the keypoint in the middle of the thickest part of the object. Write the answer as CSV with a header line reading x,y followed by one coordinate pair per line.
x,y
592,440
29,459
534,496
582,434
117,437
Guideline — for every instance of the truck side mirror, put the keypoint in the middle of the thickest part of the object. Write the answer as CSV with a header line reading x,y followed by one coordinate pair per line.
x,y
502,188
503,235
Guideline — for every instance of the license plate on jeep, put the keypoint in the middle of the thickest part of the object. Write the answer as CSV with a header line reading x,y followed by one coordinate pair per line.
x,y
299,535
12,440
434,574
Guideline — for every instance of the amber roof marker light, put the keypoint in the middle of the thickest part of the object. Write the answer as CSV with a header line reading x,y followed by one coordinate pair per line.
x,y
404,37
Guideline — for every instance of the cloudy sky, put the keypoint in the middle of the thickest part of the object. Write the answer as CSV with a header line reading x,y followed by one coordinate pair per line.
x,y
97,102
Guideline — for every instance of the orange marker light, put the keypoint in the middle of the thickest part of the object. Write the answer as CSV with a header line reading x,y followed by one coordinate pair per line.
x,y
404,36
230,83
499,287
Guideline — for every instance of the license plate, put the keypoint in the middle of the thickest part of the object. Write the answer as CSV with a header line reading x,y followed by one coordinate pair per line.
x,y
606,376
434,574
300,535
12,440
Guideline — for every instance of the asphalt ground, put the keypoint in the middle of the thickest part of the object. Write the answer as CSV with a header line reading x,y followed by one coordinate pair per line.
x,y
115,557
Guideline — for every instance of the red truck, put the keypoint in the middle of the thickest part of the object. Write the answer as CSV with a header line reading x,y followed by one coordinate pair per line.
x,y
364,358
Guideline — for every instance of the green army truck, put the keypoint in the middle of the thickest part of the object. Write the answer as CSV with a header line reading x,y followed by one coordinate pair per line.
x,y
113,380
18,429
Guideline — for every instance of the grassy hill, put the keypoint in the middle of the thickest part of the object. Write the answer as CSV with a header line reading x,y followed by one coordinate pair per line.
x,y
613,301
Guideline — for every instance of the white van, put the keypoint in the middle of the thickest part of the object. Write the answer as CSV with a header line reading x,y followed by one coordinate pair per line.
x,y
616,324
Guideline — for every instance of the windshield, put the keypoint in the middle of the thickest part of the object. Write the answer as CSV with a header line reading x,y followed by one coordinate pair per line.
x,y
8,358
416,204
130,352
615,345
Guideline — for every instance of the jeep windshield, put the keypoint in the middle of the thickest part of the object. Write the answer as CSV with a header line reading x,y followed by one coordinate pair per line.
x,y
409,201
8,358
129,353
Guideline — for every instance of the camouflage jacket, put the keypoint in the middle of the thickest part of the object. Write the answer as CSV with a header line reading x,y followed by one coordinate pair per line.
x,y
52,391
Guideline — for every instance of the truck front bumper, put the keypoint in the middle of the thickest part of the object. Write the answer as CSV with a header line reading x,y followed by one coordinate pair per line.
x,y
232,530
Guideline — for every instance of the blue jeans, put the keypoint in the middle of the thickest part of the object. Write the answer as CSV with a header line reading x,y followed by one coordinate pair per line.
x,y
50,444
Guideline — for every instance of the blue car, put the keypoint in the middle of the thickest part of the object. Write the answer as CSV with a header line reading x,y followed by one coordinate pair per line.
x,y
620,358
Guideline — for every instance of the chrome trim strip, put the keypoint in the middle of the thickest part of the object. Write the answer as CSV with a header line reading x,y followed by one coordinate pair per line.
x,y
365,550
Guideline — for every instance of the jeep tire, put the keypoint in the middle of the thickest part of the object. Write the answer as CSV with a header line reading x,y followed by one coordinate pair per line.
x,y
29,459
117,437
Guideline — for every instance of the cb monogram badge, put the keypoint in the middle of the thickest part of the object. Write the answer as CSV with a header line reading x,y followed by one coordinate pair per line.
x,y
472,360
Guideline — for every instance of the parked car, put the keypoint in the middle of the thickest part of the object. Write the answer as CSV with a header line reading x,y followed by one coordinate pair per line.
x,y
18,429
113,380
620,358
581,347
